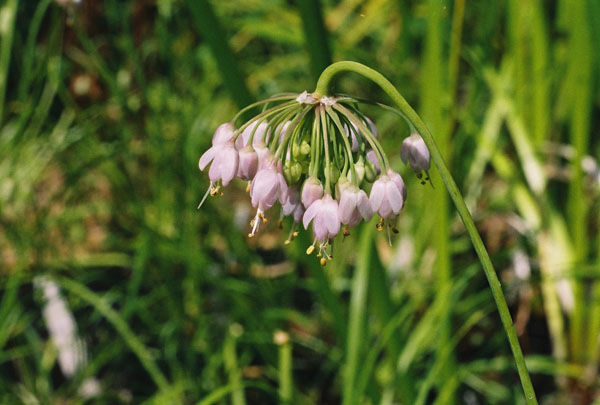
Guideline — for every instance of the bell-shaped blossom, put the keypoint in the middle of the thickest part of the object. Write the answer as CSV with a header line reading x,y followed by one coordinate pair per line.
x,y
248,164
396,178
415,153
293,206
223,133
311,191
260,135
387,197
354,205
225,160
325,219
268,185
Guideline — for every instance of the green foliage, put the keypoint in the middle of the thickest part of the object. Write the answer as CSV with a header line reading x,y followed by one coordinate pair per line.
x,y
105,108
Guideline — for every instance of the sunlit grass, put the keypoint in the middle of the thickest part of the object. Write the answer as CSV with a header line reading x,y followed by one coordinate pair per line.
x,y
106,110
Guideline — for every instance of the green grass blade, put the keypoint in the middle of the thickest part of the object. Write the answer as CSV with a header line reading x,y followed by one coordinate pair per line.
x,y
315,35
120,325
212,32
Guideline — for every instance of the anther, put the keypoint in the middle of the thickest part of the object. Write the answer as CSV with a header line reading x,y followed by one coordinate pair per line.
x,y
346,231
310,249
279,224
248,188
323,262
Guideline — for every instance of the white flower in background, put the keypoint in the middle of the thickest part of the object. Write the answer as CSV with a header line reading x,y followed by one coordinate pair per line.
x,y
62,331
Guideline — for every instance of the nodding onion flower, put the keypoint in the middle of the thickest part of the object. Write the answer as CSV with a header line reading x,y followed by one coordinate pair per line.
x,y
320,158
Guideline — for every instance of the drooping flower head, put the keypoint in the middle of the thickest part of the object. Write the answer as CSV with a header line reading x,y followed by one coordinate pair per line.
x,y
316,156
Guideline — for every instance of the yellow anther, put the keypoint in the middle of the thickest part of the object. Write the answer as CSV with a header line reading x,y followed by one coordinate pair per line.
x,y
248,188
250,235
221,194
252,222
279,223
319,254
346,231
330,258
323,262
310,249
287,242
295,234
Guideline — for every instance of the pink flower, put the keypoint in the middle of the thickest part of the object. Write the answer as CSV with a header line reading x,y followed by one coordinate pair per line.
x,y
248,164
387,196
396,178
324,216
372,127
372,156
354,205
268,185
311,191
224,160
354,131
259,135
293,206
283,129
415,153
223,133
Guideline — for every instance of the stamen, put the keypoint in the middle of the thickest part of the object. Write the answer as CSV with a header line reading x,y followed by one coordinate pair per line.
x,y
310,249
205,195
323,262
215,190
292,235
346,231
388,233
255,222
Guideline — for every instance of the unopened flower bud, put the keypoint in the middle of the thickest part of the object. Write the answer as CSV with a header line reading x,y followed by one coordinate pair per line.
x,y
292,173
334,174
370,171
248,164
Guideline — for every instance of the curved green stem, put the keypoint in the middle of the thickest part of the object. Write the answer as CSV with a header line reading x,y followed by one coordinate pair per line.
x,y
322,89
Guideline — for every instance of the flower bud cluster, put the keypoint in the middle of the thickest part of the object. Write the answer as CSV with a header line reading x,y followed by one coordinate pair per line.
x,y
319,158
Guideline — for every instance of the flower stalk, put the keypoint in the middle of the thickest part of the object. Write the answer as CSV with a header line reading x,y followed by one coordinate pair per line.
x,y
415,121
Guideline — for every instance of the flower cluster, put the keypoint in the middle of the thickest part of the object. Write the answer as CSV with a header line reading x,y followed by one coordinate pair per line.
x,y
320,158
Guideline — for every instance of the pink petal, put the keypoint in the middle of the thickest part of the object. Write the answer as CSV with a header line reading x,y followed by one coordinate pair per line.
x,y
229,165
214,173
347,206
310,213
320,228
394,197
377,194
207,157
364,206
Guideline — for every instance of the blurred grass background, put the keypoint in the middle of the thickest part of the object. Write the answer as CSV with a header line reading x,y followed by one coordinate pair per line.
x,y
105,108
